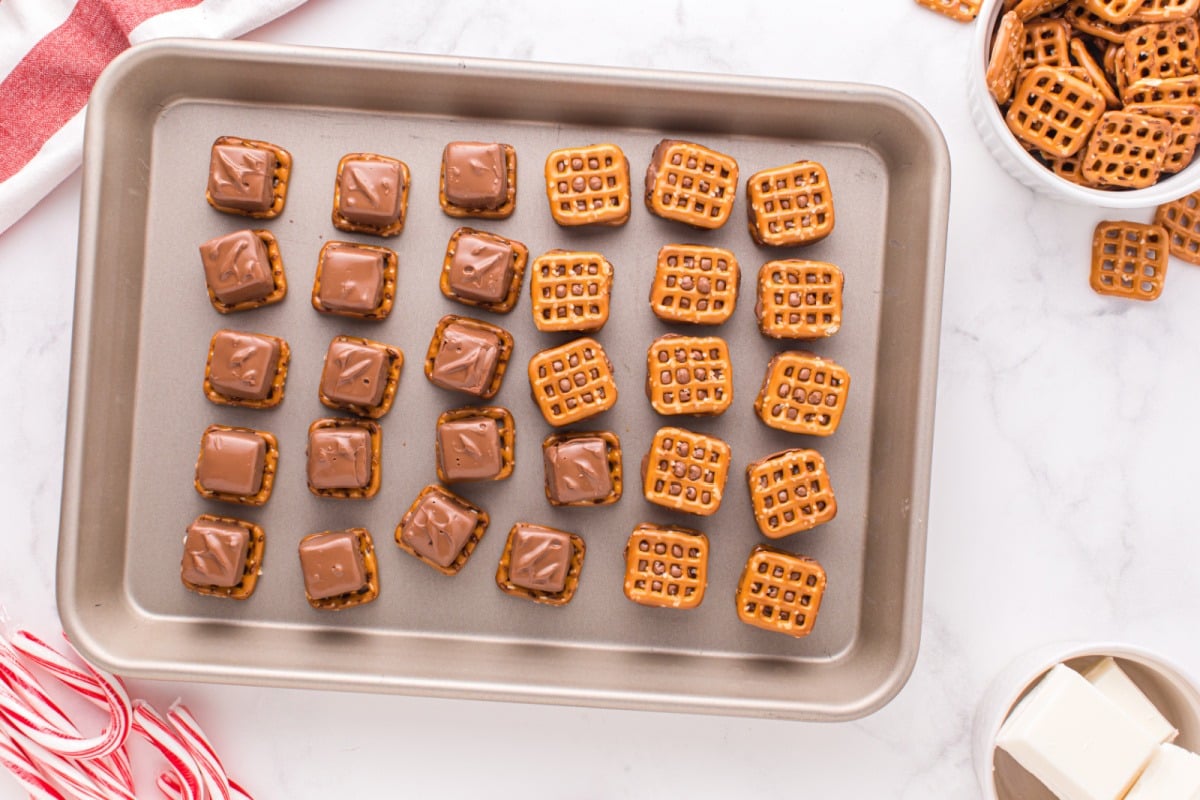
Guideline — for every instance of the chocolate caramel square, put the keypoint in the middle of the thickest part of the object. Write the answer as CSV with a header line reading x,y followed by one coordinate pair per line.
x,y
236,465
475,444
441,529
248,177
370,194
582,469
243,270
483,269
355,280
222,557
468,356
478,179
246,369
360,376
339,568
540,563
343,458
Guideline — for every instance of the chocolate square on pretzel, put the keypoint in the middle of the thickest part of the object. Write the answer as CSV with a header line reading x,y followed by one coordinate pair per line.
x,y
686,471
790,492
540,564
370,194
483,270
780,592
792,204
222,557
582,469
248,177
799,299
570,290
469,356
344,458
478,179
572,382
475,444
1129,260
691,183
695,284
441,529
588,185
803,393
339,569
355,280
243,270
666,567
689,375
246,369
360,376
236,465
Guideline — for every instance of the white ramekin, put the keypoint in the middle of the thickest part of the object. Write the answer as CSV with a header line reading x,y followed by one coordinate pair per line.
x,y
1024,167
1172,690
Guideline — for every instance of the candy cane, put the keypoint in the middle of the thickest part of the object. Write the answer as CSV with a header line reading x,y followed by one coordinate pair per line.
x,y
63,771
25,771
155,730
216,780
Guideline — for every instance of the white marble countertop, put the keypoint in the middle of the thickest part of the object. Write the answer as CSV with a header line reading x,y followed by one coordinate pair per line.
x,y
1064,459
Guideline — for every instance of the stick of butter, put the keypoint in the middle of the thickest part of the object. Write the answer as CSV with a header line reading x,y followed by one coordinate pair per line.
x,y
1173,774
1076,741
1112,681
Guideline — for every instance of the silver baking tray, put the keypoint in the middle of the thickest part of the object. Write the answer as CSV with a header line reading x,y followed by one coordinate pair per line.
x,y
143,323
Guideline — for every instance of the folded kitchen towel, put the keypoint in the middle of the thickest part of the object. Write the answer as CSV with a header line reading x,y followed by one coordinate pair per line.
x,y
51,52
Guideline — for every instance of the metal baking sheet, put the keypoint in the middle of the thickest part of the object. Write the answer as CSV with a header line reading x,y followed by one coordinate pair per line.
x,y
143,324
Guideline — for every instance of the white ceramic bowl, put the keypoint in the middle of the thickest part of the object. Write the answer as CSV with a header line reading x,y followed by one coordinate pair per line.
x,y
1172,690
1024,167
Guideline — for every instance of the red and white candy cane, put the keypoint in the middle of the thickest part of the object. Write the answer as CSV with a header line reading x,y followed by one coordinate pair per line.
x,y
16,761
216,780
155,730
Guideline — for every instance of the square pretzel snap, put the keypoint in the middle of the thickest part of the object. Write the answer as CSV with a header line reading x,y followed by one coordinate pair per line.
x,y
570,290
1161,50
1080,17
1129,260
441,529
355,280
1165,10
370,194
572,382
1181,220
686,471
792,204
588,185
541,564
691,183
1185,130
666,567
1005,59
237,465
799,299
483,270
1054,111
468,355
360,376
1185,89
582,469
248,177
780,592
222,557
344,458
339,569
1127,150
695,284
689,375
957,10
475,444
1046,42
803,393
246,369
243,270
790,492
478,179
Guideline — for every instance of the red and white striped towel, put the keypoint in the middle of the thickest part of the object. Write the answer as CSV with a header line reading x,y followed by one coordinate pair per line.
x,y
51,52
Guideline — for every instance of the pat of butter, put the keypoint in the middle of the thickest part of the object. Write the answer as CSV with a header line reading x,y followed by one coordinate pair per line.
x,y
1076,741
1116,686
1173,774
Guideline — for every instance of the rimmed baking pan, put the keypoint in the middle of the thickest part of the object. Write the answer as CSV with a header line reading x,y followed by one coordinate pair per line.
x,y
143,323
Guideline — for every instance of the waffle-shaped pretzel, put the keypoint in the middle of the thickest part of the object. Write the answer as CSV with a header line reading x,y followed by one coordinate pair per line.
x,y
1069,168
959,10
790,492
570,290
1127,150
541,564
332,557
1031,9
1185,130
803,393
588,185
1054,111
1046,42
1165,10
799,299
207,547
370,194
1084,20
1006,57
1114,11
227,459
666,567
689,375
1161,50
694,283
1181,220
780,592
1096,76
792,204
1129,260
441,529
686,471
239,168
691,183
1166,90
572,382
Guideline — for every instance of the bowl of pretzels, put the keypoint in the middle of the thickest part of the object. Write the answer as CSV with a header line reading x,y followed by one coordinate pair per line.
x,y
1092,101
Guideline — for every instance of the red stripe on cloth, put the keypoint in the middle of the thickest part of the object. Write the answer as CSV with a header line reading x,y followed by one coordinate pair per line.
x,y
52,82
